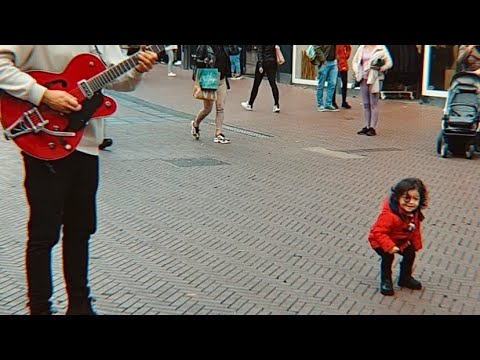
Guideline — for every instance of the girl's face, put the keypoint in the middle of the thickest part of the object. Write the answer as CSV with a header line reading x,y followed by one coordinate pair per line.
x,y
410,200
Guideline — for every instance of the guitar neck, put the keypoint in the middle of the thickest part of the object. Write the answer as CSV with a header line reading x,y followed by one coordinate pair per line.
x,y
106,77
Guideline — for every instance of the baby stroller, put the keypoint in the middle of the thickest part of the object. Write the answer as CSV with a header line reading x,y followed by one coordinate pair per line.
x,y
460,121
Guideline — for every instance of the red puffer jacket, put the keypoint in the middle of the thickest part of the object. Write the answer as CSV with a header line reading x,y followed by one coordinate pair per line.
x,y
343,54
391,230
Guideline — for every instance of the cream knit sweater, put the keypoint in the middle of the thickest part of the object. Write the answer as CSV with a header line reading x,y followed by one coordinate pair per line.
x,y
15,60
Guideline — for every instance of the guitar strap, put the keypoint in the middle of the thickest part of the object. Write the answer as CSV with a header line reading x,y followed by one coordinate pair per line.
x,y
98,52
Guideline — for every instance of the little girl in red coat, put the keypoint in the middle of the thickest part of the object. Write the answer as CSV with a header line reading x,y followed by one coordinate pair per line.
x,y
397,230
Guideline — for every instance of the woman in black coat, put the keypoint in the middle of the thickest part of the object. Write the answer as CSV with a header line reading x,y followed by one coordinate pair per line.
x,y
266,64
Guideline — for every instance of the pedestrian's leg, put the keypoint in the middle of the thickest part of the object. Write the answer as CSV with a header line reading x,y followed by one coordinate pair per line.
x,y
45,184
203,113
332,76
365,92
406,279
80,221
321,76
386,284
271,71
170,55
334,98
220,106
256,85
374,100
232,65
344,78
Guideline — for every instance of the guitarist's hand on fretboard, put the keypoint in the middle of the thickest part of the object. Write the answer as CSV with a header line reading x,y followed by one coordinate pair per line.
x,y
146,60
61,101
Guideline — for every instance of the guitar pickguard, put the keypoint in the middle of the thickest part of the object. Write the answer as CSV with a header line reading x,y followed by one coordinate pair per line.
x,y
78,120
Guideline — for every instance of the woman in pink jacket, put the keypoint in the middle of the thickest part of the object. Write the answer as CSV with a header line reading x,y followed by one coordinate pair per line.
x,y
368,66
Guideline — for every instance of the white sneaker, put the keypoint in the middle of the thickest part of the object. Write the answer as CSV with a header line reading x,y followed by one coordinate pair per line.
x,y
221,139
246,106
177,63
276,109
172,74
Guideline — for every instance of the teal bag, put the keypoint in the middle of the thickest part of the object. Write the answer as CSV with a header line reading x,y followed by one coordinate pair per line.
x,y
208,78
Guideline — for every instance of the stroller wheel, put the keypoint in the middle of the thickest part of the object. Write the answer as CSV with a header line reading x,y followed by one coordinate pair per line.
x,y
444,151
470,151
439,143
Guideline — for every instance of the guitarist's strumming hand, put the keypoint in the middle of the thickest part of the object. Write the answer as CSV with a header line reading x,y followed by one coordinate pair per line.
x,y
146,58
61,101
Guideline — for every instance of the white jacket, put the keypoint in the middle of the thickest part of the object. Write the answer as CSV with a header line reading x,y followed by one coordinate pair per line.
x,y
15,60
374,76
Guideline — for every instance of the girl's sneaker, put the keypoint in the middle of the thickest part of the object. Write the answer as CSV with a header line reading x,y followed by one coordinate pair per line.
x,y
221,139
195,131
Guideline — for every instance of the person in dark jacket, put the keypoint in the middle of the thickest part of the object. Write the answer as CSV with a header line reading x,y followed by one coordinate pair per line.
x,y
266,64
397,230
215,56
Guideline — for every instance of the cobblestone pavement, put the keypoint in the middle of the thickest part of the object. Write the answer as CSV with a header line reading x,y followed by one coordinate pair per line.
x,y
274,223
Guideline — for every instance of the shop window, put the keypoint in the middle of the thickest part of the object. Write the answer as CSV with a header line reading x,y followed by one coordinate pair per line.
x,y
442,66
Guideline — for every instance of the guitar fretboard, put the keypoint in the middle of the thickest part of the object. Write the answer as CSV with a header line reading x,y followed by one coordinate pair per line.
x,y
101,80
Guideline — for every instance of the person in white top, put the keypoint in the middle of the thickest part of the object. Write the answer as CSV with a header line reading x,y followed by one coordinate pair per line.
x,y
170,50
62,192
369,65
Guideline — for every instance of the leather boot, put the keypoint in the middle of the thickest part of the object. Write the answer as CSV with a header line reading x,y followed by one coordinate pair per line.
x,y
409,283
386,286
406,279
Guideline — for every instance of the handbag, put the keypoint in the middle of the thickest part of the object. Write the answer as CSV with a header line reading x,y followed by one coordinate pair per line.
x,y
280,58
310,52
208,78
203,93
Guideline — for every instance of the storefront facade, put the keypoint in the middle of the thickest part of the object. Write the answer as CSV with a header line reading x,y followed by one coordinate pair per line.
x,y
438,64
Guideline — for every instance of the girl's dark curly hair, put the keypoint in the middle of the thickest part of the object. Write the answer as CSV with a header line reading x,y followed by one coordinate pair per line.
x,y
404,186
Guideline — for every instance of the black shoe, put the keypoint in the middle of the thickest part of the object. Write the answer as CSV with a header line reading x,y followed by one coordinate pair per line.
x,y
410,283
386,287
346,105
363,131
106,143
371,132
83,307
46,312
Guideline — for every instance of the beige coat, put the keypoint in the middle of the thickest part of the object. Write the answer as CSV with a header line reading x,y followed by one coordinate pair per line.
x,y
374,76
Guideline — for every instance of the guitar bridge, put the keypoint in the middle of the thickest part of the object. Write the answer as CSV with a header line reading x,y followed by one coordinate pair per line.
x,y
31,122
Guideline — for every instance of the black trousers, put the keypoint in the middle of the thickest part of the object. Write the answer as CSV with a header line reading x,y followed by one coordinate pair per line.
x,y
270,69
406,265
343,76
60,192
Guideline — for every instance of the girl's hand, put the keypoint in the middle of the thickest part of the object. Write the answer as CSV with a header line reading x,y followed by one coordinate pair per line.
x,y
394,250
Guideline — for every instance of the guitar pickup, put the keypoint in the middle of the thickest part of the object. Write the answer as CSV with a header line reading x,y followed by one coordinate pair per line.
x,y
85,89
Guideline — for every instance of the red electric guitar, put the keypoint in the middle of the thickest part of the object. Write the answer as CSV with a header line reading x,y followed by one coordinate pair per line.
x,y
49,135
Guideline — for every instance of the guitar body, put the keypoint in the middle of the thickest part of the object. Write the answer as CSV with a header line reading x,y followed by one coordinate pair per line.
x,y
45,146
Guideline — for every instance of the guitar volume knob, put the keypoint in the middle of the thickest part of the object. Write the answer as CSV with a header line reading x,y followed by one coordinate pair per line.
x,y
51,145
108,104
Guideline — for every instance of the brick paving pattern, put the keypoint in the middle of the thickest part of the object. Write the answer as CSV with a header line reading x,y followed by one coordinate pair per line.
x,y
273,223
